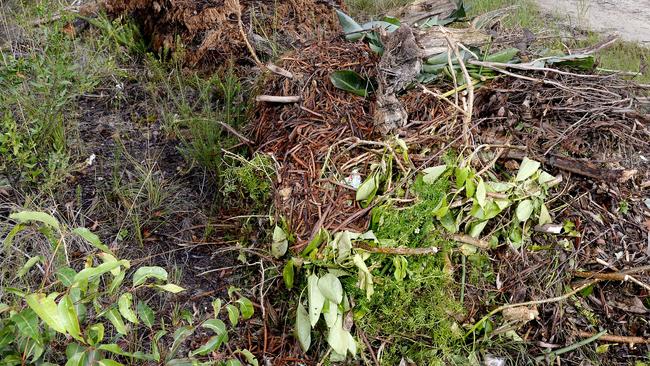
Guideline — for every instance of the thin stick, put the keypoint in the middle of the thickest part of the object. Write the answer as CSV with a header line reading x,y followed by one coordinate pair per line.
x,y
245,37
467,118
615,338
536,302
278,98
398,251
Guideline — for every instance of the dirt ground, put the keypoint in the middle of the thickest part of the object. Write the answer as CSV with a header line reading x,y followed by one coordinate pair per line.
x,y
628,18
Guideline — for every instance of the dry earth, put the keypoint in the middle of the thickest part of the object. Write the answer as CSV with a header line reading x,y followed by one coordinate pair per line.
x,y
628,18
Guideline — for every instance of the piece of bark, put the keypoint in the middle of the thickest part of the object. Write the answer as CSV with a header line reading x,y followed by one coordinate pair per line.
x,y
420,10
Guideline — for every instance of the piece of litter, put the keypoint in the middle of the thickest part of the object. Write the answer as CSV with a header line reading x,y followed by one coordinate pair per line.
x,y
90,160
353,180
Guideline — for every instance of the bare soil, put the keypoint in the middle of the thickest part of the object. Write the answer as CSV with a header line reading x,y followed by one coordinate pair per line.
x,y
628,18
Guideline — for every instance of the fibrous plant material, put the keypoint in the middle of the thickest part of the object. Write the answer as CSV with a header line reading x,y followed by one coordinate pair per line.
x,y
211,33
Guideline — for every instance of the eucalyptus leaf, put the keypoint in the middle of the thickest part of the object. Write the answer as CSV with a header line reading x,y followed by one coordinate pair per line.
x,y
115,318
146,313
330,286
316,299
303,328
349,25
352,82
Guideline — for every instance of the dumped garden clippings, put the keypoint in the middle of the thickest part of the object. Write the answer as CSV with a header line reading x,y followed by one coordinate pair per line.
x,y
438,198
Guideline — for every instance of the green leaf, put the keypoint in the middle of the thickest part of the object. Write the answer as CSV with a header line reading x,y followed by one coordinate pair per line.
x,y
432,174
30,263
316,299
503,56
545,177
477,228
27,323
146,313
95,334
26,216
68,314
524,210
461,176
124,304
215,325
303,328
544,216
115,318
66,276
92,272
330,286
349,25
368,188
280,242
233,362
233,314
246,308
7,335
180,335
216,306
250,358
212,344
352,82
527,169
170,287
481,193
288,274
46,309
116,282
107,362
143,273
91,238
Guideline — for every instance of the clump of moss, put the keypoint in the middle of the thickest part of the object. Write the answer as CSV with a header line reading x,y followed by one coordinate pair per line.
x,y
416,315
412,226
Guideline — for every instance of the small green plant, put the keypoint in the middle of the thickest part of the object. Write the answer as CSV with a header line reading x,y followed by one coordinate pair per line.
x,y
249,181
87,317
76,315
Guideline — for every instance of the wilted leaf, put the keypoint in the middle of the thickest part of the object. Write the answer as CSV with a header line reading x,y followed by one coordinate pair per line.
x,y
303,327
367,189
352,82
215,325
330,312
316,299
30,263
527,168
330,286
280,242
544,216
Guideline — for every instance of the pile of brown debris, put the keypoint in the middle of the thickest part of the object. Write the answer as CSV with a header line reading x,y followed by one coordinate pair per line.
x,y
594,129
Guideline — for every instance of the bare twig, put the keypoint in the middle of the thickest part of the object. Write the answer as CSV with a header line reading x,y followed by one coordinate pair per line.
x,y
278,98
615,338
